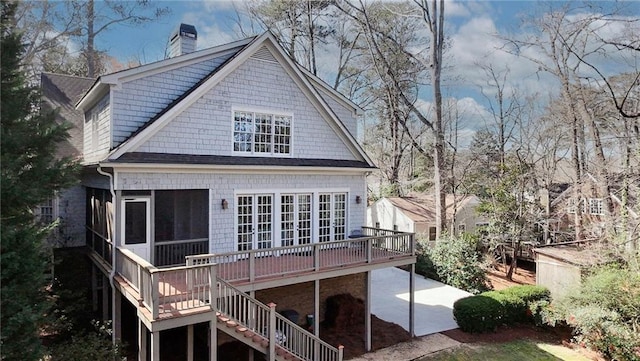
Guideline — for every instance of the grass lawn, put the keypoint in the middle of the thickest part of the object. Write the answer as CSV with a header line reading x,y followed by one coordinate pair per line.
x,y
522,350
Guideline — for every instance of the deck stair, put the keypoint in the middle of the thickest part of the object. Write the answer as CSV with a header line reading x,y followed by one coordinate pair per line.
x,y
262,328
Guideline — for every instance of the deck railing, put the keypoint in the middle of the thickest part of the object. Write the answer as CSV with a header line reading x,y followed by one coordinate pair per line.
x,y
263,320
175,289
173,252
248,266
101,245
167,290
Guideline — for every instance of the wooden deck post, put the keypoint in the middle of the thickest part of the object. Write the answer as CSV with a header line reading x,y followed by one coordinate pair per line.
x,y
340,352
155,346
105,298
272,331
142,341
189,342
316,308
94,288
213,340
367,312
117,316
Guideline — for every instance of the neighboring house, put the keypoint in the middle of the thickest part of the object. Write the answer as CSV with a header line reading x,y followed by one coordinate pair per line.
x,y
61,92
221,180
593,208
416,214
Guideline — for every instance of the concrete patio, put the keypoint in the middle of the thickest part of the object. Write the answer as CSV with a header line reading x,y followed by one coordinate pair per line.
x,y
433,301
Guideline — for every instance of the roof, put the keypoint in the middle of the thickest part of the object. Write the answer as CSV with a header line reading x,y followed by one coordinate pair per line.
x,y
165,158
572,254
216,75
422,208
61,92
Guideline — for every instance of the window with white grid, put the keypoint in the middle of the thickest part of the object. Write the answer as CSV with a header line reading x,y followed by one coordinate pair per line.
x,y
261,133
595,206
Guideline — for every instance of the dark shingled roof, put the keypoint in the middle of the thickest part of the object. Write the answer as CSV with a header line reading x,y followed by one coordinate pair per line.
x,y
62,92
166,158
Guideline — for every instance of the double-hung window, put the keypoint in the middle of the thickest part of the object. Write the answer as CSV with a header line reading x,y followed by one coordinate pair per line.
x,y
261,133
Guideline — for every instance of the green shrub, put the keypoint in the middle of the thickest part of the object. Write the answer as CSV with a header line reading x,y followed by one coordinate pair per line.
x,y
486,311
456,262
514,309
605,312
478,313
529,293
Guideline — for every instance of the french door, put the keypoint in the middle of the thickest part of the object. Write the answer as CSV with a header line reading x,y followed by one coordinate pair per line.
x,y
295,219
332,216
255,221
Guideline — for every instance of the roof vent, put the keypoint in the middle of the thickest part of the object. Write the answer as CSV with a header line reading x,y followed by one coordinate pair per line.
x,y
183,40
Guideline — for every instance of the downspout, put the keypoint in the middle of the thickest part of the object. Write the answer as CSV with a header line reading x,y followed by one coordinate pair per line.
x,y
113,198
113,253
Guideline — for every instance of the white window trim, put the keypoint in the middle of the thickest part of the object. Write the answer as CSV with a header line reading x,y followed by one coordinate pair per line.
x,y
272,112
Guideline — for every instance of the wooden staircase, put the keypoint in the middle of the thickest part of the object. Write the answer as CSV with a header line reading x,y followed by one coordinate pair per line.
x,y
260,327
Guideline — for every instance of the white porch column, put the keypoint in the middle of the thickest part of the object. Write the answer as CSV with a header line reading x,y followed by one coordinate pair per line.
x,y
213,341
155,346
190,343
412,300
142,341
367,313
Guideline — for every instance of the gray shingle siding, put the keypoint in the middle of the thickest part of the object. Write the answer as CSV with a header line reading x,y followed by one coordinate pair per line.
x,y
206,127
226,186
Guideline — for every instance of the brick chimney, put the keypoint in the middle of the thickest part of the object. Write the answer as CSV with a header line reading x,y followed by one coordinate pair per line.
x,y
183,40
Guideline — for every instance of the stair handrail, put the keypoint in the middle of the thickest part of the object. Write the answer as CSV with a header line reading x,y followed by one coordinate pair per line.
x,y
288,335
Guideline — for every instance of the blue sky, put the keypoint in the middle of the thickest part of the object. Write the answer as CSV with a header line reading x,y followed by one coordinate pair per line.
x,y
471,27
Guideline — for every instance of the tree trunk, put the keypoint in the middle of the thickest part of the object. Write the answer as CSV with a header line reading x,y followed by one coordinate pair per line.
x,y
91,56
437,42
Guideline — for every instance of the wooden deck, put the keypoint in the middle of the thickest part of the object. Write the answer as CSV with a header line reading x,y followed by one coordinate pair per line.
x,y
168,292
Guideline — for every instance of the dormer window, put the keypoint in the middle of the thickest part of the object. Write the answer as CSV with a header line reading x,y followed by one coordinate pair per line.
x,y
261,133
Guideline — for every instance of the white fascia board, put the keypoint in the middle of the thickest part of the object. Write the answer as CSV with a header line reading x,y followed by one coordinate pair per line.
x,y
170,63
95,93
228,169
159,66
334,93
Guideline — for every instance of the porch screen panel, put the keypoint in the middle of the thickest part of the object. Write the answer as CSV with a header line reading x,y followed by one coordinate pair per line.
x,y
181,215
324,217
339,214
304,218
265,221
245,223
135,228
287,216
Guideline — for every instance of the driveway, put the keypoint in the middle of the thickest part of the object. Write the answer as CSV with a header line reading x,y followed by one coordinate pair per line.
x,y
433,301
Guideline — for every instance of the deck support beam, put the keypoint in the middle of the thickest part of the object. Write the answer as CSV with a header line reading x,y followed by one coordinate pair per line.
x,y
190,343
367,312
412,300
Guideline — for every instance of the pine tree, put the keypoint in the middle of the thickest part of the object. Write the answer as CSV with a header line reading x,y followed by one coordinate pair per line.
x,y
30,174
